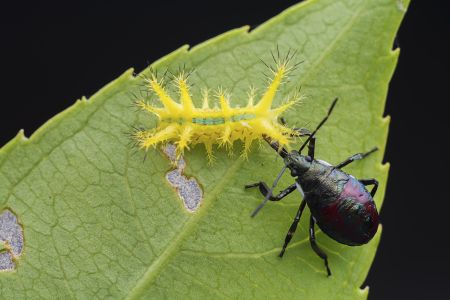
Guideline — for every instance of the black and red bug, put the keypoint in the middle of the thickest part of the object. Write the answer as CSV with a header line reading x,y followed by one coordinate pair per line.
x,y
339,203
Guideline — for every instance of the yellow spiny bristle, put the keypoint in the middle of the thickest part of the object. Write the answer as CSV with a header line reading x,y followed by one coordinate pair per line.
x,y
185,137
183,88
147,107
266,101
163,96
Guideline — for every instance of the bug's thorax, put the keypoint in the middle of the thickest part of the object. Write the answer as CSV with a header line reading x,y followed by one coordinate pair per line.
x,y
306,168
312,173
298,164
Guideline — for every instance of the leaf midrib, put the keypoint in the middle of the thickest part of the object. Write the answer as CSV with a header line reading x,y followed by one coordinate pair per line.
x,y
154,269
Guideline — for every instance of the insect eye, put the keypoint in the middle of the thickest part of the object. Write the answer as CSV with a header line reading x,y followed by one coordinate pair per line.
x,y
308,158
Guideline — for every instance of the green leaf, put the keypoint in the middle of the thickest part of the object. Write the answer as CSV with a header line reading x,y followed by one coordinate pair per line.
x,y
98,222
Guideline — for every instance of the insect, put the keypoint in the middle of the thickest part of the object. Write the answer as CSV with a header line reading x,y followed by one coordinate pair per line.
x,y
339,203
184,124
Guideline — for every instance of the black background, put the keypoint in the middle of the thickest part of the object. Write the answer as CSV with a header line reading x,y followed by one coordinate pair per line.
x,y
51,54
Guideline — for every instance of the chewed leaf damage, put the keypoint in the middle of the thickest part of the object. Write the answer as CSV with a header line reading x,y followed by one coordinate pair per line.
x,y
184,124
188,189
11,236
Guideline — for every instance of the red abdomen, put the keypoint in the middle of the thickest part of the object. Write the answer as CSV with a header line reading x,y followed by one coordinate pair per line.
x,y
351,218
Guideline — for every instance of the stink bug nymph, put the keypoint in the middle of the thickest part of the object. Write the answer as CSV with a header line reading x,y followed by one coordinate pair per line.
x,y
339,203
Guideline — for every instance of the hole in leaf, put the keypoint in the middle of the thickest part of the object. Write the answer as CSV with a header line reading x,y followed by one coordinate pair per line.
x,y
188,189
11,240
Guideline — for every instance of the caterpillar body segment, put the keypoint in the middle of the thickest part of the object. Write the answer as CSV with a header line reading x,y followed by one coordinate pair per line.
x,y
184,124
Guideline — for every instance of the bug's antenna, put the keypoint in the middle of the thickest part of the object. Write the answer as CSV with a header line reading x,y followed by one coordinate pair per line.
x,y
320,125
269,193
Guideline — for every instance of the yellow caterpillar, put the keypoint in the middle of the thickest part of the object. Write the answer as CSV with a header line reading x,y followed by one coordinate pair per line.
x,y
184,124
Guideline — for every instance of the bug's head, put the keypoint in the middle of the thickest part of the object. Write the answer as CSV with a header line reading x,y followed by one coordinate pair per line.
x,y
297,163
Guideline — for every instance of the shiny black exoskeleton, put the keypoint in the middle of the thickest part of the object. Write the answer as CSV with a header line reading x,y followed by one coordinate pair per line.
x,y
339,203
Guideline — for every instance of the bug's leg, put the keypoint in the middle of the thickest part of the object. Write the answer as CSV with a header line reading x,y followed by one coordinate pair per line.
x,y
293,227
313,134
314,246
300,131
264,189
371,181
311,147
357,156
269,192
